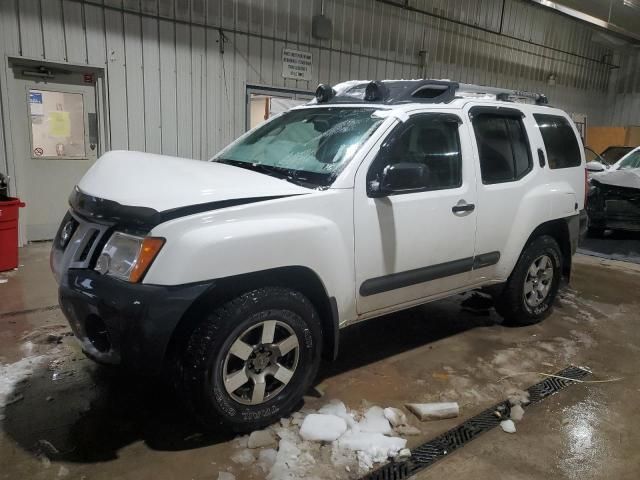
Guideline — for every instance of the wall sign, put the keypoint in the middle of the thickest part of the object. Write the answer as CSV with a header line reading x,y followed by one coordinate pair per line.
x,y
35,103
296,64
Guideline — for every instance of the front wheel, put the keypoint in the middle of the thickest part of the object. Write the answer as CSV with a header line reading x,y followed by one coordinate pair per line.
x,y
532,287
249,362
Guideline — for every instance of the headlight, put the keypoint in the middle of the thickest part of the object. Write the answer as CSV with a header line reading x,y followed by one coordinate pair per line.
x,y
128,257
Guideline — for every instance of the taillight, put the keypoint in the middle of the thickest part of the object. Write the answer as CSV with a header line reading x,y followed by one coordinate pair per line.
x,y
586,187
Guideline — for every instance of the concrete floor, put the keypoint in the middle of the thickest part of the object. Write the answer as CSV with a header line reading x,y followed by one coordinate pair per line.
x,y
74,419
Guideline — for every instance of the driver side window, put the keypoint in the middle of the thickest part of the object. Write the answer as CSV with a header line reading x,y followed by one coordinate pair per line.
x,y
430,140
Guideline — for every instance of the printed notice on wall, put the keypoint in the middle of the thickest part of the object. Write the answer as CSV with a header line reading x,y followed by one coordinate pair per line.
x,y
296,64
35,103
59,124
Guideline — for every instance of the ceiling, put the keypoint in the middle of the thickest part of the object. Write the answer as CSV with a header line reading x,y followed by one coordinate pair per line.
x,y
624,14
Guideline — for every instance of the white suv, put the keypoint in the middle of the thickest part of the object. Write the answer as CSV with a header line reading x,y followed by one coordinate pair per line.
x,y
237,274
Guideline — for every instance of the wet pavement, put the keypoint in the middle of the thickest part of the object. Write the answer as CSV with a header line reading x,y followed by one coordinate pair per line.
x,y
618,245
73,419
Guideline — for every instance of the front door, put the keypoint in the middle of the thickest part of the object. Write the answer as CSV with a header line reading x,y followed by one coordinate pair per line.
x,y
54,135
418,242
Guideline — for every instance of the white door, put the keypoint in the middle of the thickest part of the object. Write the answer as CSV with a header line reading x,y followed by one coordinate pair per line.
x,y
54,135
417,241
263,103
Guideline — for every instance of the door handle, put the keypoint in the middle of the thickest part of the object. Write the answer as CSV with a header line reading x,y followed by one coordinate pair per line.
x,y
463,206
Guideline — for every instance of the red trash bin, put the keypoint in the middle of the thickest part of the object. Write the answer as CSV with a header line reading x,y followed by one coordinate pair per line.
x,y
9,233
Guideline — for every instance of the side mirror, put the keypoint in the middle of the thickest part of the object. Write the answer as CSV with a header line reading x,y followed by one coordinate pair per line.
x,y
595,166
399,177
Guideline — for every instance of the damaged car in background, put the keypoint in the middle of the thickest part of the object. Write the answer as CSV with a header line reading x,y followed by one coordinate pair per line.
x,y
614,197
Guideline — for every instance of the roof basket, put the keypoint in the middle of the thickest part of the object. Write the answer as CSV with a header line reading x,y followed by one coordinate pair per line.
x,y
423,91
504,94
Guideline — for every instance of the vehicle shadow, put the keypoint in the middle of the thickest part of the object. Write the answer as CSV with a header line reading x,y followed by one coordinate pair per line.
x,y
77,411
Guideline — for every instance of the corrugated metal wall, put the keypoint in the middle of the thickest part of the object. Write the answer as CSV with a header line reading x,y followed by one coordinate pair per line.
x,y
624,105
171,90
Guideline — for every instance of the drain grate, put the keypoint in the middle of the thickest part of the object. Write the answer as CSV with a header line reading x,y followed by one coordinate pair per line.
x,y
430,452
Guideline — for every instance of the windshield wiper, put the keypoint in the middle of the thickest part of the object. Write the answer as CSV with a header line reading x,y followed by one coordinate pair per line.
x,y
283,173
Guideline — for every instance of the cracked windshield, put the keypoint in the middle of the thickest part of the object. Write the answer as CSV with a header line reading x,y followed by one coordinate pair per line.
x,y
308,146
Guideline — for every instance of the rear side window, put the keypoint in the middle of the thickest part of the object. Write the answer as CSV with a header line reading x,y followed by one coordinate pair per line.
x,y
503,147
560,141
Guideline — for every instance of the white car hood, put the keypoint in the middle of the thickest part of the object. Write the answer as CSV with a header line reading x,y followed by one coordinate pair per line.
x,y
162,182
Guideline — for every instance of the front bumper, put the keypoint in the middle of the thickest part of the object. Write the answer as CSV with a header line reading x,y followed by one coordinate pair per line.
x,y
122,323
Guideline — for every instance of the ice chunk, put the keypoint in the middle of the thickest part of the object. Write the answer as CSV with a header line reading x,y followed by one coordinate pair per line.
x,y
267,459
402,454
374,421
518,397
434,411
395,416
375,445
334,407
291,463
517,412
508,426
226,476
322,427
408,430
243,457
338,408
261,438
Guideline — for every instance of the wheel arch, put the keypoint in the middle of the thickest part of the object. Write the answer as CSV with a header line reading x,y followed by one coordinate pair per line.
x,y
299,278
559,230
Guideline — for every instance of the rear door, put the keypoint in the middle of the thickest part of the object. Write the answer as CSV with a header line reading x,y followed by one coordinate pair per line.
x,y
420,243
505,158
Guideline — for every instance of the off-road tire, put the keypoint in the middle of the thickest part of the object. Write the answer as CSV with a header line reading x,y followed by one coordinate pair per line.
x,y
202,360
511,304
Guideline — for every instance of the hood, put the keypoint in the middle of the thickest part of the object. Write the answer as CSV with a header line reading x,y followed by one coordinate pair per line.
x,y
627,178
164,183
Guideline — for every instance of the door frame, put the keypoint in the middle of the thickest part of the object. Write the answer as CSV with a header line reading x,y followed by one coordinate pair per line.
x,y
102,108
7,148
266,90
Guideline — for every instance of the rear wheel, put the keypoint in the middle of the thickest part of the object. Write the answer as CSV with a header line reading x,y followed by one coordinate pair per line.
x,y
249,362
532,287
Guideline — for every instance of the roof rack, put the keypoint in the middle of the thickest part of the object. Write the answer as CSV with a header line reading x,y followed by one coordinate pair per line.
x,y
422,91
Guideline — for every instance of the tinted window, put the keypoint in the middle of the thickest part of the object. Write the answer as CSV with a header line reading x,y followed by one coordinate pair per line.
x,y
431,140
560,141
613,154
503,147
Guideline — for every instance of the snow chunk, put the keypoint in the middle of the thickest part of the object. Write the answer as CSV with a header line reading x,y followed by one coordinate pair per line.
x,y
338,408
244,457
261,438
374,421
408,430
266,459
508,426
517,412
12,374
372,446
291,463
518,397
434,411
322,427
395,416
334,407
226,476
